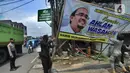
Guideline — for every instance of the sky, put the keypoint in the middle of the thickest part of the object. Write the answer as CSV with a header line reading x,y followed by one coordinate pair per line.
x,y
27,15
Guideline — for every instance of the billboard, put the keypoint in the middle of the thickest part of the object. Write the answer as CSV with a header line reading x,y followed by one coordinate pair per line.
x,y
44,15
87,22
127,5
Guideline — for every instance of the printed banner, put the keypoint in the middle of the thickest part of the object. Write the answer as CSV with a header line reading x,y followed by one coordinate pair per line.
x,y
83,21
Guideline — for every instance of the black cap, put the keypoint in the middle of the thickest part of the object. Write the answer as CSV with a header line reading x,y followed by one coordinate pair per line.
x,y
11,39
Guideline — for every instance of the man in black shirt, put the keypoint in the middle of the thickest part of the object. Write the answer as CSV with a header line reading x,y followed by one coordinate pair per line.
x,y
45,55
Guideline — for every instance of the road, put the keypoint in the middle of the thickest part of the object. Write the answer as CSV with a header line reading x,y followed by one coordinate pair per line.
x,y
24,62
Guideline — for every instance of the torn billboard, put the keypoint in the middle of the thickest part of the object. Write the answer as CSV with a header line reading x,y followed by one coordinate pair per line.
x,y
87,22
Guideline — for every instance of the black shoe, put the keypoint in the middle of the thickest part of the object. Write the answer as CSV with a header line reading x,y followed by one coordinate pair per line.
x,y
16,67
12,69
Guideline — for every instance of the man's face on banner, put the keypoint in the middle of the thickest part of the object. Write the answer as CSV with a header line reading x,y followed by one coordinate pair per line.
x,y
79,20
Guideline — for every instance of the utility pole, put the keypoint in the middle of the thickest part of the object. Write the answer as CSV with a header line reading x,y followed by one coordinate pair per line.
x,y
56,7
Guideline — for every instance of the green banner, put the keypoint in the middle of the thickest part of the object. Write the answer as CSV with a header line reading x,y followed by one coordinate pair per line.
x,y
44,15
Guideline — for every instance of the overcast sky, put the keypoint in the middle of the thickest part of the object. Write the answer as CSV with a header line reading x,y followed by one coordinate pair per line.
x,y
27,14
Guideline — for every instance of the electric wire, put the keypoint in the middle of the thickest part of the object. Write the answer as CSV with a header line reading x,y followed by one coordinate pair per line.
x,y
11,2
16,7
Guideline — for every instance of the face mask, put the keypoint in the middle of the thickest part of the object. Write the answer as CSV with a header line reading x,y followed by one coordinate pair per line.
x,y
12,42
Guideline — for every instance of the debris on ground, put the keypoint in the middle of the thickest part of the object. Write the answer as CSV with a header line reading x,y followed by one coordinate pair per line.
x,y
64,63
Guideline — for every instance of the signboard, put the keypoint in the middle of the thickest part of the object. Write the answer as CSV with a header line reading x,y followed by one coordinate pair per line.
x,y
83,21
44,15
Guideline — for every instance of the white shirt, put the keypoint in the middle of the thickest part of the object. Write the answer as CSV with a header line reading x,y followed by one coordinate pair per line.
x,y
68,29
11,47
116,46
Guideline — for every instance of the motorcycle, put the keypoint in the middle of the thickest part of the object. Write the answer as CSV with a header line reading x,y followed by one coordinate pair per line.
x,y
30,49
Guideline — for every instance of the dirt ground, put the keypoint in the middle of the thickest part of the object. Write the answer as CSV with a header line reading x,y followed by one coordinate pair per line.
x,y
69,63
76,64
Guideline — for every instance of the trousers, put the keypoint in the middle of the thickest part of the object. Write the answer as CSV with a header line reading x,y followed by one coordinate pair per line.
x,y
46,63
12,60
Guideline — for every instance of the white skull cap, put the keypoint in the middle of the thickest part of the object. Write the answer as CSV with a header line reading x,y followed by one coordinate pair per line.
x,y
75,7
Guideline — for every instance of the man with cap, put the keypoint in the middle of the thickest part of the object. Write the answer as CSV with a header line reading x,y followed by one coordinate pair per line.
x,y
78,20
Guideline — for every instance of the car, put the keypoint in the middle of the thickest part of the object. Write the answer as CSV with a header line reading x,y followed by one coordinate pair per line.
x,y
35,43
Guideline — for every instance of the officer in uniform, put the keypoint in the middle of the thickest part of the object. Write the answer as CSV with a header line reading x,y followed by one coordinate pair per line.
x,y
12,54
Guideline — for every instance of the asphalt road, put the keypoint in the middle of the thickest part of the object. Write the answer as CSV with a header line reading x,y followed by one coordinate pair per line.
x,y
24,62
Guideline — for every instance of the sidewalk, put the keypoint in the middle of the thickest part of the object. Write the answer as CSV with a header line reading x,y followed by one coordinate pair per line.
x,y
73,66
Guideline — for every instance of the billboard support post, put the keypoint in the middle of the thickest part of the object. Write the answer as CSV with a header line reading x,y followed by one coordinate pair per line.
x,y
101,51
47,23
